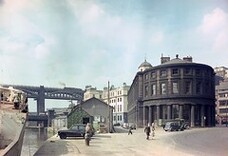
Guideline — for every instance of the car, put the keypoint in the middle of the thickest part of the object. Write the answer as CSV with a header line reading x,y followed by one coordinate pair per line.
x,y
173,126
77,130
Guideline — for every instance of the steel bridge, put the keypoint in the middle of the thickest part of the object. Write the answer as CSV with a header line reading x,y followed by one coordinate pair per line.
x,y
41,93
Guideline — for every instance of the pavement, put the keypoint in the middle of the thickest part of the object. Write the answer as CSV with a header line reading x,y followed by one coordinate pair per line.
x,y
114,144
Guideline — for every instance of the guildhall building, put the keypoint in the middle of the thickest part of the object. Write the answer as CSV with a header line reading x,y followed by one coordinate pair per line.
x,y
177,88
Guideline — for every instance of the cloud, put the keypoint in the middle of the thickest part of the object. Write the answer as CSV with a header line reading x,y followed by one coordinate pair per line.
x,y
214,27
214,21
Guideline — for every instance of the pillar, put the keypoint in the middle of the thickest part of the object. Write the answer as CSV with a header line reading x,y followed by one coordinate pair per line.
x,y
41,101
209,115
144,115
202,116
150,115
158,113
169,112
181,111
192,115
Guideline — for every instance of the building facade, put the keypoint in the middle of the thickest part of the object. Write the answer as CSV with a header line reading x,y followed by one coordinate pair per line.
x,y
176,88
117,99
221,73
221,93
93,111
91,92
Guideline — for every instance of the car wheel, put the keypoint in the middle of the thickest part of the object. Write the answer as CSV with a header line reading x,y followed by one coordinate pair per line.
x,y
62,136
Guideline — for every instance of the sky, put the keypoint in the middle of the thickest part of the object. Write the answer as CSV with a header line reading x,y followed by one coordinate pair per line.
x,y
75,43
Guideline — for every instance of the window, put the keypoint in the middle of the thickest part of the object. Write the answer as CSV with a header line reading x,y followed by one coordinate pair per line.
x,y
207,88
198,72
120,108
163,88
163,73
175,71
198,87
153,89
146,76
153,74
187,71
146,91
175,88
222,103
187,87
120,117
223,110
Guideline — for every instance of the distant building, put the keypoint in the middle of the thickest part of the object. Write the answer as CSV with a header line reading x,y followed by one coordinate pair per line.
x,y
222,102
177,88
117,99
92,111
91,92
221,74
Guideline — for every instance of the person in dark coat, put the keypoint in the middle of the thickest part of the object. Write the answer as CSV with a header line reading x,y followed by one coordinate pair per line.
x,y
147,131
130,130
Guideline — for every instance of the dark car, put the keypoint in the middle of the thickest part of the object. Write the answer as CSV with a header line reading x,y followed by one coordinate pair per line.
x,y
173,126
77,130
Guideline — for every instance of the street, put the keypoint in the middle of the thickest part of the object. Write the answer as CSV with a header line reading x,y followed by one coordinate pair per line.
x,y
197,141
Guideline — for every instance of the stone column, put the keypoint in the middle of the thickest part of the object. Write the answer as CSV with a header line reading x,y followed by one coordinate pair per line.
x,y
202,116
150,115
192,115
209,115
158,113
144,115
213,115
181,111
169,112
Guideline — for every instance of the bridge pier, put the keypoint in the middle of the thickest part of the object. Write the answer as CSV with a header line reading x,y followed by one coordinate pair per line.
x,y
41,100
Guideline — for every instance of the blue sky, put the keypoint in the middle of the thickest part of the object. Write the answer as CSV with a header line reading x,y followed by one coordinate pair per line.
x,y
77,43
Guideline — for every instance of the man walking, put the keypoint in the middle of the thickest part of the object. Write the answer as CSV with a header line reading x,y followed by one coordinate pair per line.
x,y
147,131
130,130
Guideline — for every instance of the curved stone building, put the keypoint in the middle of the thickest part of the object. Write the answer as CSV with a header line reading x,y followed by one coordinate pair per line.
x,y
176,88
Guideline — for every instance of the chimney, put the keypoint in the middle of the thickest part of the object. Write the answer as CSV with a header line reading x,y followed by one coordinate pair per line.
x,y
164,59
187,58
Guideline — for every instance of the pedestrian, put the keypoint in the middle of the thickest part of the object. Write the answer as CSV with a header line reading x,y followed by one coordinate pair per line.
x,y
153,129
130,130
147,131
88,133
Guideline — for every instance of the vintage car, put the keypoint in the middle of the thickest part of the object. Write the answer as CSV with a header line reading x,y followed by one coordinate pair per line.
x,y
77,130
173,126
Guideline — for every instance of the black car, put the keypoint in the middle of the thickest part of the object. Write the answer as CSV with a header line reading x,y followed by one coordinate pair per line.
x,y
77,130
173,126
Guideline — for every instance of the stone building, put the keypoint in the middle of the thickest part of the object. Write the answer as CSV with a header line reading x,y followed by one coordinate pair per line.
x,y
117,99
221,93
92,111
177,88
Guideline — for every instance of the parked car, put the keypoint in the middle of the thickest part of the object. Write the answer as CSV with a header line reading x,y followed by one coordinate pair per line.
x,y
77,130
173,126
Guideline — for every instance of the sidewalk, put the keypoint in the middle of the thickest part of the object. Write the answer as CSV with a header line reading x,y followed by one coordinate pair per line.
x,y
118,144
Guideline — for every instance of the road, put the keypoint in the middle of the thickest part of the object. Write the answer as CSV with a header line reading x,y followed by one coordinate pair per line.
x,y
201,141
193,142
